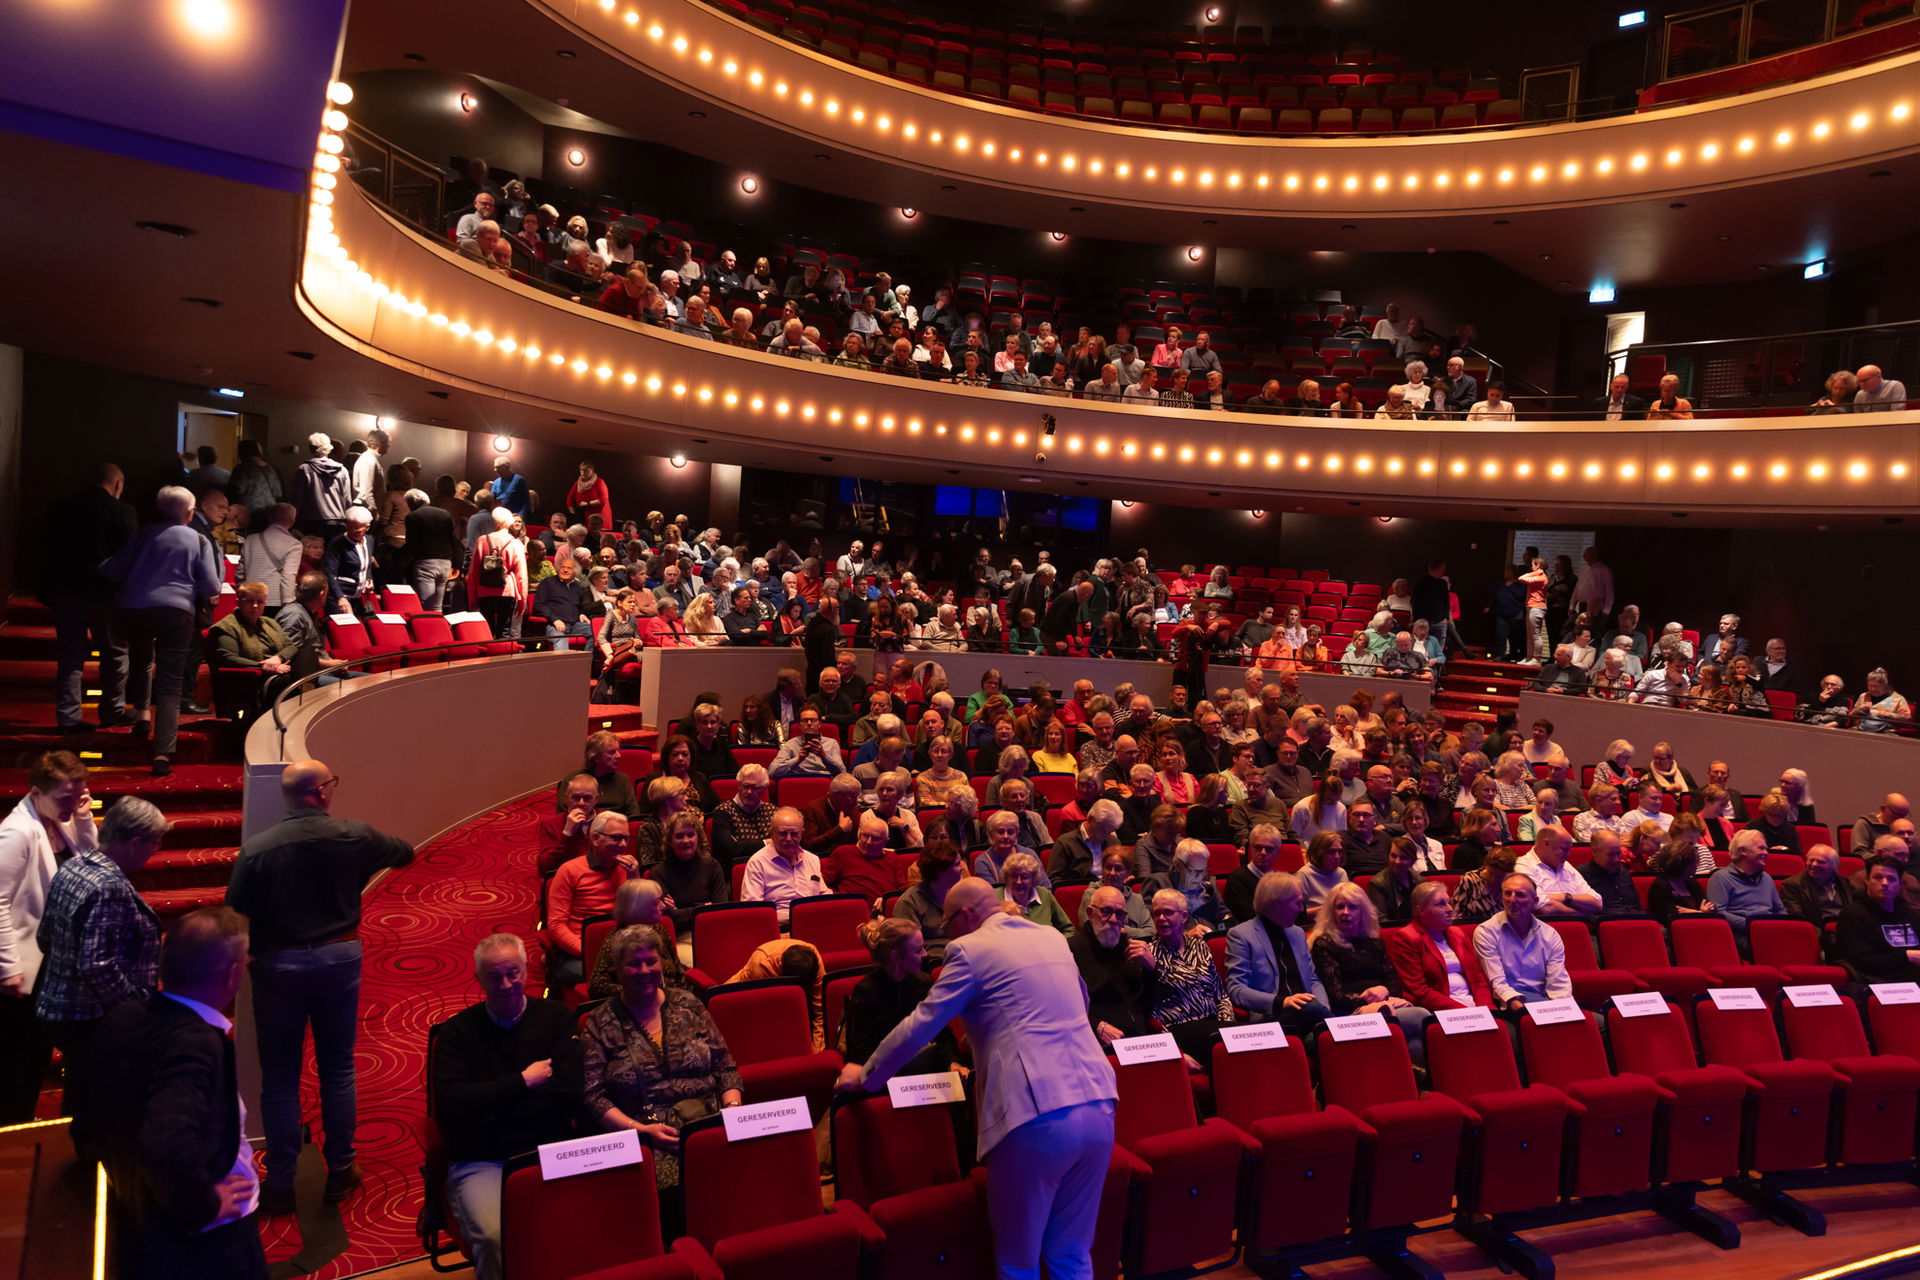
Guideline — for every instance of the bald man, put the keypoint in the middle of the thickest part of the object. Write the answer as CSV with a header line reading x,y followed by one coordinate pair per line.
x,y
1046,1116
1878,392
299,884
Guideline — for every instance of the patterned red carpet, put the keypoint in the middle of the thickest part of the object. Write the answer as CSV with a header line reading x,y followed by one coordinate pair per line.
x,y
419,930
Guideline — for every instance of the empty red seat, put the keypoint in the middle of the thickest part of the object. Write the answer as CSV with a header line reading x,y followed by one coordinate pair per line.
x,y
1305,1158
753,1209
1875,1103
1640,947
725,934
1708,944
1415,1139
1613,1129
530,1206
1787,1120
831,922
1703,1105
1792,947
1186,1191
902,1166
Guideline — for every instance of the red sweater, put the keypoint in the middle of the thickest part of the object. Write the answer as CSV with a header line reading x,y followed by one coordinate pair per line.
x,y
849,871
578,892
556,848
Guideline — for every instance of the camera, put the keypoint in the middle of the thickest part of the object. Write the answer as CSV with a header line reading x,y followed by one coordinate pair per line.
x,y
1040,457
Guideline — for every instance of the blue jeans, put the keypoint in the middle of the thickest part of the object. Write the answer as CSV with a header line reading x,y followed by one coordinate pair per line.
x,y
76,621
563,631
292,988
473,1197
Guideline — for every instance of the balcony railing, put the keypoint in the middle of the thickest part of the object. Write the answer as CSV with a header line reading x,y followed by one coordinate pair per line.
x,y
1785,370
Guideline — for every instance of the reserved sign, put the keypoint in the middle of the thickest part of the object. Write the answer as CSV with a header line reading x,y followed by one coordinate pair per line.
x,y
927,1090
1253,1036
1358,1026
1896,992
1458,1022
1641,1004
764,1119
1816,996
586,1155
1735,998
1546,1013
1131,1050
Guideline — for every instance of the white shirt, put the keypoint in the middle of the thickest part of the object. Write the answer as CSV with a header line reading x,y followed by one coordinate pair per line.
x,y
1594,588
1548,880
1385,330
27,864
1615,410
243,1161
1537,754
1457,985
1487,409
369,481
1656,690
1530,968
1417,393
771,878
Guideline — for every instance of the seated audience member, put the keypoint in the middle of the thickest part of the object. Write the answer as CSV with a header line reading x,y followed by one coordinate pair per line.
x,y
808,753
563,835
791,958
1263,850
1270,968
885,998
890,792
1480,833
784,870
615,788
1079,850
1260,805
1021,889
1562,675
1796,789
868,866
1670,403
688,874
742,823
654,1061
1663,686
1434,957
1867,830
834,703
939,781
1877,937
1610,878
1188,877
1476,897
1190,1000
709,754
1819,893
1876,392
1363,845
924,901
1003,840
1324,870
1898,845
250,640
1154,852
1605,813
1429,855
1561,891
1353,965
1208,818
1524,959
635,902
1544,813
506,1077
1775,825
1320,813
1392,887
1676,890
667,798
584,887
1116,872
1117,968
1743,891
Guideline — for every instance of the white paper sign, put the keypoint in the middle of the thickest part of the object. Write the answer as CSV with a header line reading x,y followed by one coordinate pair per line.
x,y
585,1155
401,591
1358,1026
455,619
1816,996
927,1090
1130,1050
1732,998
1641,1004
1896,992
394,618
1458,1022
226,589
763,1119
1248,1037
1547,1012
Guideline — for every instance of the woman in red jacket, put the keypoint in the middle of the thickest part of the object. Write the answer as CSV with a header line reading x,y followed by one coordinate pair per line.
x,y
588,497
1434,957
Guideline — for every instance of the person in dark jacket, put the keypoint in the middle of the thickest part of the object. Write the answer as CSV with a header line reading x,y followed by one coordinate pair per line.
x,y
884,998
184,1192
1877,937
506,1077
434,552
820,640
1118,970
1820,893
81,531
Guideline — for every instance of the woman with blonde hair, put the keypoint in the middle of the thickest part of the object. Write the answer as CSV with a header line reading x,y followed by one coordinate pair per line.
x,y
704,630
1353,964
886,997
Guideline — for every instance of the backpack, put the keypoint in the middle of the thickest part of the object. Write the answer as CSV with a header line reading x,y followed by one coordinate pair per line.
x,y
493,568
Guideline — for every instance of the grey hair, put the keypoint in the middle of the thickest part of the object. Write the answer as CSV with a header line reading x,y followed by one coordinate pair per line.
x,y
1106,813
753,773
495,942
132,819
360,515
175,502
1273,885
1879,673
633,896
1421,365
605,816
321,443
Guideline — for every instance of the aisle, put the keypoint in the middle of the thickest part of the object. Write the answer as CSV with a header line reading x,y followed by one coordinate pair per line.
x,y
419,928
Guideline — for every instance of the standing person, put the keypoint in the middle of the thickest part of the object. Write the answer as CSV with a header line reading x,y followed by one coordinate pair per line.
x,y
497,583
1431,599
433,555
588,497
81,531
322,490
53,819
509,489
101,942
1046,1118
271,554
1535,580
167,570
369,475
254,484
170,1116
506,1078
299,884
1593,592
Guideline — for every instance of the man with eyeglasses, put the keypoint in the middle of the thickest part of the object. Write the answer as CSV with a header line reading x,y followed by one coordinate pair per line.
x,y
299,884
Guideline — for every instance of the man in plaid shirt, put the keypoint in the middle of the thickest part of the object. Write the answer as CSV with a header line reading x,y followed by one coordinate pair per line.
x,y
100,938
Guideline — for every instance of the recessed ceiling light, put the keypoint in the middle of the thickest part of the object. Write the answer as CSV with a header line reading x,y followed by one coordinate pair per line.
x,y
208,303
1678,204
1881,173
1076,208
948,186
173,229
565,53
468,102
821,155
1546,257
576,157
696,115
1724,236
1501,222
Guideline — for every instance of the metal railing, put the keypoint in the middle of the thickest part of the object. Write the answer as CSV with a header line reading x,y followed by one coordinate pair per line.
x,y
1731,32
1775,370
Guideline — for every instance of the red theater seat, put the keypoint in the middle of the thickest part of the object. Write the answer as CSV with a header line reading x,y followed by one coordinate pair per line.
x,y
1703,1105
1305,1159
1185,1199
753,1209
725,934
1875,1104
903,1168
530,1207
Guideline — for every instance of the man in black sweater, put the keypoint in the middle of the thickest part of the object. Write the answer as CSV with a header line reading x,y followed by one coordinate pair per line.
x,y
1118,971
434,552
820,641
506,1078
1431,600
563,600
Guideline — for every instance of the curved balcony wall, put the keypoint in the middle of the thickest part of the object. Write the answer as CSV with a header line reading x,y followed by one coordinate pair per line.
x,y
1793,130
384,290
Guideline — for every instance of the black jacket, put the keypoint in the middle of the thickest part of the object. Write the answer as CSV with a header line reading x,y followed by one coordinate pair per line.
x,y
431,536
820,641
341,566
1632,407
166,1090
481,1103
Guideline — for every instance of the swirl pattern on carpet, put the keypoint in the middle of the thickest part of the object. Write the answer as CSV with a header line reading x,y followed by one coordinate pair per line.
x,y
419,929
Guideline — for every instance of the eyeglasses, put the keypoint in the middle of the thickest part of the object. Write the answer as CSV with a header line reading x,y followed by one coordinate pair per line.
x,y
1108,913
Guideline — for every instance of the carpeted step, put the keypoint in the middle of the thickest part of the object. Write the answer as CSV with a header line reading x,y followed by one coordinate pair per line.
x,y
200,828
27,611
171,904
1497,685
1454,719
620,719
27,642
1479,667
194,786
198,742
187,869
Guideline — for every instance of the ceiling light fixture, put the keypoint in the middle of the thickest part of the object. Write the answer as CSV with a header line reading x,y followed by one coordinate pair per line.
x,y
468,102
576,157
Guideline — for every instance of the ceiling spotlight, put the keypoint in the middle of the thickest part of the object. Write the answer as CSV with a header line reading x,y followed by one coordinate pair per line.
x,y
1258,512
750,184
340,93
1195,253
468,102
386,423
1058,235
501,444
1212,13
576,157
678,459
909,214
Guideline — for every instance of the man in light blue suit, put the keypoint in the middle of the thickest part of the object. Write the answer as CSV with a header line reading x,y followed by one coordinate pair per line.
x,y
1047,1093
1270,971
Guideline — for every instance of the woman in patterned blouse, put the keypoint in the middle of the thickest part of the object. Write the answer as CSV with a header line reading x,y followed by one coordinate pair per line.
x,y
649,1050
1190,1000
